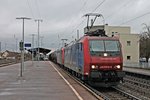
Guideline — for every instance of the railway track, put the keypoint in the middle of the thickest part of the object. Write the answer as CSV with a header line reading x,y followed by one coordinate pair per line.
x,y
116,93
113,93
136,86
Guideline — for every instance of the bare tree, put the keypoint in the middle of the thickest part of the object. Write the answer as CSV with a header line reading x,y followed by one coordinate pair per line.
x,y
145,42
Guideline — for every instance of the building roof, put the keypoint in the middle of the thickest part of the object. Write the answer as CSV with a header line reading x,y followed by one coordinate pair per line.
x,y
41,50
11,54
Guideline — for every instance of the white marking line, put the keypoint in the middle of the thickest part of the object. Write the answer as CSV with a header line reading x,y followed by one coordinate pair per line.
x,y
76,93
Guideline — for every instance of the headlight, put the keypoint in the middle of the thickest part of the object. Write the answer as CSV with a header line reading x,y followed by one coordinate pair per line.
x,y
105,54
118,66
94,67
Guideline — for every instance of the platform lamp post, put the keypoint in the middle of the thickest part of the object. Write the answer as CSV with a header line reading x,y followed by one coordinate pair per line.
x,y
0,47
77,34
38,21
42,37
22,43
33,48
16,41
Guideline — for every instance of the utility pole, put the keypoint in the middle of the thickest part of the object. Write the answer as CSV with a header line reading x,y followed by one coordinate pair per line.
x,y
5,46
33,47
38,21
0,47
16,44
16,40
22,51
41,40
77,34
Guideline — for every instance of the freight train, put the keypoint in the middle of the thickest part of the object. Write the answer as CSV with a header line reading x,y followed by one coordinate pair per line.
x,y
94,58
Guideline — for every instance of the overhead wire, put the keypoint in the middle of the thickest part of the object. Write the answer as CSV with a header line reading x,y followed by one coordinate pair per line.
x,y
130,20
125,4
77,26
37,7
98,6
71,22
84,4
31,11
91,12
135,18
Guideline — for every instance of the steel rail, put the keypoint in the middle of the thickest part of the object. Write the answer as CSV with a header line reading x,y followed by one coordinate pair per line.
x,y
136,82
130,96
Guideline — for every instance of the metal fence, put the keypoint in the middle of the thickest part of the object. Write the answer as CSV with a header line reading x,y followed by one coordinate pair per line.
x,y
6,61
137,64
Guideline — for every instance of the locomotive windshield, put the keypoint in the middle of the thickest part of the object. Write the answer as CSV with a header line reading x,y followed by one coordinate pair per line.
x,y
98,47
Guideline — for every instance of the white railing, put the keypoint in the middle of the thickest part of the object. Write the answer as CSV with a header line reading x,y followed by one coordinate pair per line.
x,y
137,64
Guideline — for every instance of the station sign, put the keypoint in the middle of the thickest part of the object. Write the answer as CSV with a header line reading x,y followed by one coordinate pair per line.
x,y
27,44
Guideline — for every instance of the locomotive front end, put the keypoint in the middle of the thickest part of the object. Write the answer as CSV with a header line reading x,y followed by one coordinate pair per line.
x,y
105,62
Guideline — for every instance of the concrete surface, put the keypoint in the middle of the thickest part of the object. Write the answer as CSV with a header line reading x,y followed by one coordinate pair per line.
x,y
39,82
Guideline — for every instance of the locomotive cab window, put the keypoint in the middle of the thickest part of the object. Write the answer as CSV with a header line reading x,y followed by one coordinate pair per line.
x,y
111,46
99,47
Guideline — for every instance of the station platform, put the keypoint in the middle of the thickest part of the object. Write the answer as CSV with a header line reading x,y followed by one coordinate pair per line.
x,y
40,81
137,70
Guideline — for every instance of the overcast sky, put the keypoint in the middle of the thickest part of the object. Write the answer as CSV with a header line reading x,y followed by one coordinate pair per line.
x,y
61,18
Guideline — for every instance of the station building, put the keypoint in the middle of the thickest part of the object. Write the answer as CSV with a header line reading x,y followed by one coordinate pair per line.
x,y
130,41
